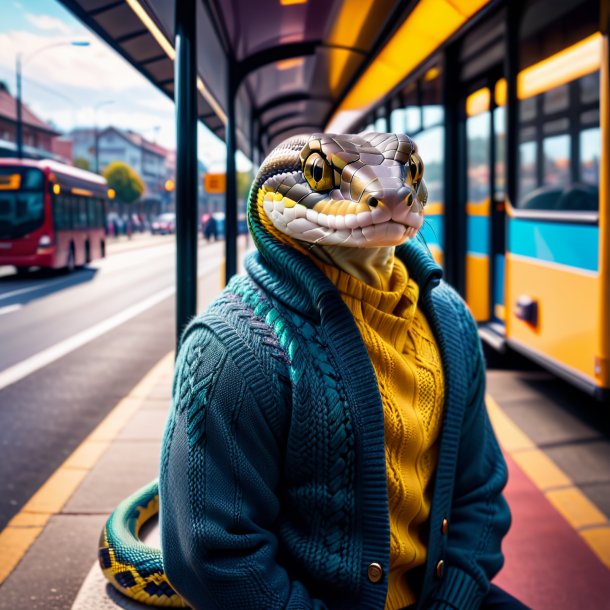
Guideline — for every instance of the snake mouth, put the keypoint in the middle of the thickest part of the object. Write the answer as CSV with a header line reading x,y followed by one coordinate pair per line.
x,y
344,223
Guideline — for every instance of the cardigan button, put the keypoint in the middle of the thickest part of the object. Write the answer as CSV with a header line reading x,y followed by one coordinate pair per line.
x,y
444,527
440,569
375,572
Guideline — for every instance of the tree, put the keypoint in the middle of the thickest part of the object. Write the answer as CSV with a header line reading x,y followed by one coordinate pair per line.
x,y
125,181
82,163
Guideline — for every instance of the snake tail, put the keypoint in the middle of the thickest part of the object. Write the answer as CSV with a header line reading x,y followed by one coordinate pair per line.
x,y
133,568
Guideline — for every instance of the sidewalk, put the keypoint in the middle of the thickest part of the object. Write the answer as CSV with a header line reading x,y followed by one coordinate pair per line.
x,y
118,457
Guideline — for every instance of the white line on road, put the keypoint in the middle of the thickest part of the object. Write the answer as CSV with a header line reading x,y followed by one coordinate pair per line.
x,y
9,309
45,357
41,286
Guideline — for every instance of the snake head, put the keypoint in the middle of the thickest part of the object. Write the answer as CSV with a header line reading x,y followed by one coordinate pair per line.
x,y
363,190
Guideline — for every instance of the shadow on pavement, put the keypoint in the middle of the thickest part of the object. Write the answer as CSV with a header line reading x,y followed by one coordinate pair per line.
x,y
21,289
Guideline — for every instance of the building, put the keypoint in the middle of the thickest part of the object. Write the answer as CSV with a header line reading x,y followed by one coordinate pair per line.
x,y
37,135
148,159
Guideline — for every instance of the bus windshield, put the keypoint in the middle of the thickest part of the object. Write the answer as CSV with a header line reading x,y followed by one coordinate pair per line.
x,y
21,201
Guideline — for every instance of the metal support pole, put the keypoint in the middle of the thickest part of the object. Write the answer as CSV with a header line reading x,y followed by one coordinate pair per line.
x,y
19,126
231,192
185,70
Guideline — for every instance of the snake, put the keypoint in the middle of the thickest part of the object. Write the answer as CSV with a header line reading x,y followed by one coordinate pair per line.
x,y
313,193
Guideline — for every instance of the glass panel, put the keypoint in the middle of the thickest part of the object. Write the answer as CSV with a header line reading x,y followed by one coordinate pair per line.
x,y
21,201
527,109
398,121
500,136
556,100
380,125
413,119
20,213
556,152
527,171
590,153
430,145
478,157
433,115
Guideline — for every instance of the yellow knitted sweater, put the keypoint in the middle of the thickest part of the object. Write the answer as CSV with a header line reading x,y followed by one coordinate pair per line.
x,y
407,364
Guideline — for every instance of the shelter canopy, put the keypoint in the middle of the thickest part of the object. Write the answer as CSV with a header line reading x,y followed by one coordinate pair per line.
x,y
292,60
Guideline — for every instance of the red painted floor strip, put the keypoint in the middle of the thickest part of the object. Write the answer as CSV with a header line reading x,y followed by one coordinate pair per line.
x,y
548,565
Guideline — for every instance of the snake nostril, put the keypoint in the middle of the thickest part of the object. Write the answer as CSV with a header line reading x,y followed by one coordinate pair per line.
x,y
373,202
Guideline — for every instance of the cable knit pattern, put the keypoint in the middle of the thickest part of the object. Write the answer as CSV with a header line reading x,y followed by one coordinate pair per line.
x,y
273,480
409,374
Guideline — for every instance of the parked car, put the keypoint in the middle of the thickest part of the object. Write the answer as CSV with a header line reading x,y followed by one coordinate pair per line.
x,y
165,224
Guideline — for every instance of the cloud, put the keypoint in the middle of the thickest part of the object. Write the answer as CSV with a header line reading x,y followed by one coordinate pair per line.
x,y
46,22
95,68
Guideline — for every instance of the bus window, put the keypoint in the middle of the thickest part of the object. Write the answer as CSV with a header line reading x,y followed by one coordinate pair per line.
x,y
527,169
478,134
559,129
590,154
21,201
82,213
500,148
556,152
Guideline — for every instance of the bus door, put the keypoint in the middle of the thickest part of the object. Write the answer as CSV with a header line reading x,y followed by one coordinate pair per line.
x,y
485,141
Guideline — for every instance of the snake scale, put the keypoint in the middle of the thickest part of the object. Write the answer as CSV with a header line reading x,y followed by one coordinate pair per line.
x,y
311,192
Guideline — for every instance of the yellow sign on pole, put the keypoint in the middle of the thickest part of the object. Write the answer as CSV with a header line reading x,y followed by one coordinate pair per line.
x,y
215,184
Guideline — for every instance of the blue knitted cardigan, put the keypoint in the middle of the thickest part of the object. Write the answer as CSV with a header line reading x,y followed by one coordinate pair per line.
x,y
273,483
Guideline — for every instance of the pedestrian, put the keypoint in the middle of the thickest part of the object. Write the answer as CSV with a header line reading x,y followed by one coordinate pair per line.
x,y
329,445
211,229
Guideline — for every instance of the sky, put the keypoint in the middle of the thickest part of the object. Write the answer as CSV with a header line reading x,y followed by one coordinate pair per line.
x,y
64,84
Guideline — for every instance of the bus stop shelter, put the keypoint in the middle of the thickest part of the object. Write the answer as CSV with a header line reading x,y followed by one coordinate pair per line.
x,y
257,72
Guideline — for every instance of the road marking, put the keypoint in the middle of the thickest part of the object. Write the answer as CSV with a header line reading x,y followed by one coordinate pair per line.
x,y
99,264
14,293
44,358
23,529
10,308
576,508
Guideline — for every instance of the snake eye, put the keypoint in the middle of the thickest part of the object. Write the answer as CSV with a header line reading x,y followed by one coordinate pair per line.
x,y
318,173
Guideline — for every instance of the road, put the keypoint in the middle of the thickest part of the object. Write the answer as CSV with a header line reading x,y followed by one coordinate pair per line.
x,y
73,346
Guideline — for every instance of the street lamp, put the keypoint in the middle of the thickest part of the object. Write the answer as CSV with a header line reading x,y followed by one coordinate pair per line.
x,y
18,69
96,135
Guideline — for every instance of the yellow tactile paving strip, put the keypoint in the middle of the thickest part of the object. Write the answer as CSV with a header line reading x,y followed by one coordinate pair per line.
x,y
590,523
23,529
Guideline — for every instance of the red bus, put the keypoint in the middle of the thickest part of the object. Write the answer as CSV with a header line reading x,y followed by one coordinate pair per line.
x,y
51,215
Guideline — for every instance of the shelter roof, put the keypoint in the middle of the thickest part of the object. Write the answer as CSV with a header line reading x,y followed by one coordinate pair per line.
x,y
295,60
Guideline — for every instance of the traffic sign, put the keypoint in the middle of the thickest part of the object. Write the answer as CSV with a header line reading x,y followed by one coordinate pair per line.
x,y
215,184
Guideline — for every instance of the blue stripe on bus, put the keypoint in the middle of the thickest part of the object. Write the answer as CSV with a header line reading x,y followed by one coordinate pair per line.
x,y
477,232
432,231
575,245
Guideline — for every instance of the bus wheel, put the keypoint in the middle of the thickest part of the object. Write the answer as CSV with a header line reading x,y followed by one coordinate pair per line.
x,y
103,248
71,263
87,253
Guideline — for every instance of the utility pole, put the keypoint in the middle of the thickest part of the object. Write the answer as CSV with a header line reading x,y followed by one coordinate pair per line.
x,y
19,128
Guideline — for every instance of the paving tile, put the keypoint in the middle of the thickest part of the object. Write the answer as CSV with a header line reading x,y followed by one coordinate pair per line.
x,y
52,571
546,423
145,425
161,404
134,464
599,494
584,462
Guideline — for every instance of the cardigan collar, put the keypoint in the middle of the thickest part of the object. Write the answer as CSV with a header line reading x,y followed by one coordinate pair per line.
x,y
292,278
